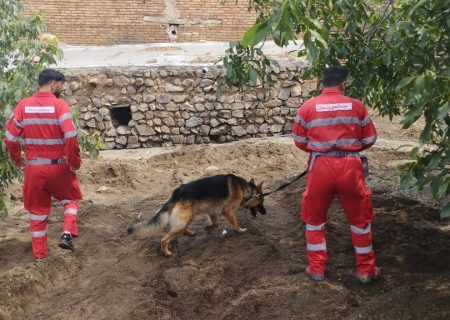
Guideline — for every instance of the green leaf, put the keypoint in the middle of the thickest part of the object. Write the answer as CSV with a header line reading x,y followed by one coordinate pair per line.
x,y
313,54
419,85
423,42
256,34
414,152
318,37
253,76
439,186
274,63
434,161
425,134
295,9
387,58
315,22
446,72
404,82
276,35
444,110
418,5
406,180
445,212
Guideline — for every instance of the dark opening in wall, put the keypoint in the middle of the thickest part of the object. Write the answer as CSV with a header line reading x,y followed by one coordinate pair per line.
x,y
120,116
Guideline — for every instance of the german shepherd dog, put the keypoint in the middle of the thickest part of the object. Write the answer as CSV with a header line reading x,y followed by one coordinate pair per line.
x,y
220,194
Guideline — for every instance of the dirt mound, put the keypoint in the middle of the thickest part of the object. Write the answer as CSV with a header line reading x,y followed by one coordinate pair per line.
x,y
258,275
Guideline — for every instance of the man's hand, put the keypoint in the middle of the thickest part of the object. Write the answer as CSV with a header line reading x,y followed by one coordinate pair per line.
x,y
19,165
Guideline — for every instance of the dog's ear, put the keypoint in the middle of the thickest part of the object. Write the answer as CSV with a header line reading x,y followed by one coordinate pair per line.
x,y
259,187
252,181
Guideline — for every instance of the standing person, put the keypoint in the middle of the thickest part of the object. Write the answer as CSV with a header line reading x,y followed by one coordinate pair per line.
x,y
334,128
44,124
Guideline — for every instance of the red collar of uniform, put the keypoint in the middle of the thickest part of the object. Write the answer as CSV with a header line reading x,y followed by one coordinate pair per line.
x,y
44,94
331,90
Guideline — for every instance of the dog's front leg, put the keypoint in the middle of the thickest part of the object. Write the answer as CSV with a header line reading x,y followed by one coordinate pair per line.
x,y
189,233
230,214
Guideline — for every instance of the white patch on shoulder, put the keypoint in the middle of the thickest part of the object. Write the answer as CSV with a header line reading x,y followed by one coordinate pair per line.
x,y
333,107
40,109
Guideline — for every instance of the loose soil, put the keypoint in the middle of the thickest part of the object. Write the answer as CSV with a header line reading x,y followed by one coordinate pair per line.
x,y
258,275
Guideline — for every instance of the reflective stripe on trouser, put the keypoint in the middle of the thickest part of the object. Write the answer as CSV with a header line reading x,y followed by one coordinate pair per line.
x,y
362,242
316,248
38,227
70,217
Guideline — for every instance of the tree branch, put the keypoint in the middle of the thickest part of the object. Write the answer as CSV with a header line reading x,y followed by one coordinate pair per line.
x,y
385,15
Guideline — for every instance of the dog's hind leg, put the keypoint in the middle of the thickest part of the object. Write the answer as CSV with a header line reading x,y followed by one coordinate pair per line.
x,y
230,214
179,220
188,217
214,223
166,240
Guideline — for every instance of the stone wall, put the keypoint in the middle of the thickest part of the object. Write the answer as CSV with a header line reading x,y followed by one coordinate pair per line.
x,y
147,107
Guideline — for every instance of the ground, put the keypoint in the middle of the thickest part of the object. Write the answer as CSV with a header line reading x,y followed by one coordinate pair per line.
x,y
258,275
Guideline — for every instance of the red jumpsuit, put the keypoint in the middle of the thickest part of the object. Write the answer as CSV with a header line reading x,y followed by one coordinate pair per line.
x,y
43,124
333,128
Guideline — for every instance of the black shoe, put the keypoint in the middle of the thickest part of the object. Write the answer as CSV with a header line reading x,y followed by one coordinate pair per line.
x,y
65,242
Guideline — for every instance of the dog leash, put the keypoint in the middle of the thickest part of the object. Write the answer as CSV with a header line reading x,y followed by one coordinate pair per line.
x,y
285,184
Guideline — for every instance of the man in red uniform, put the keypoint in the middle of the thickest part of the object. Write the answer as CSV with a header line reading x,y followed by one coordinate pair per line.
x,y
43,123
334,128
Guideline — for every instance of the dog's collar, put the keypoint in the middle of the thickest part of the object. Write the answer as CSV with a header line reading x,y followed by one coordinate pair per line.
x,y
249,196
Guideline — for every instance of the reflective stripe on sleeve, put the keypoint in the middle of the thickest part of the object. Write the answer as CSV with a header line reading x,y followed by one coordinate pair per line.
x,y
369,140
65,116
300,121
70,134
300,138
17,123
11,137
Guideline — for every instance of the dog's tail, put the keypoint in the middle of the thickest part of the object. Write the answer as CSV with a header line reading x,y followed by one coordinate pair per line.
x,y
153,225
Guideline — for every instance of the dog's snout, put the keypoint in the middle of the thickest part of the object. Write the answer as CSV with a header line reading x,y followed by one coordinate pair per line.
x,y
262,209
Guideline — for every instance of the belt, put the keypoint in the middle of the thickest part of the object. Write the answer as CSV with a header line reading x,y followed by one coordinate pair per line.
x,y
340,154
38,161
